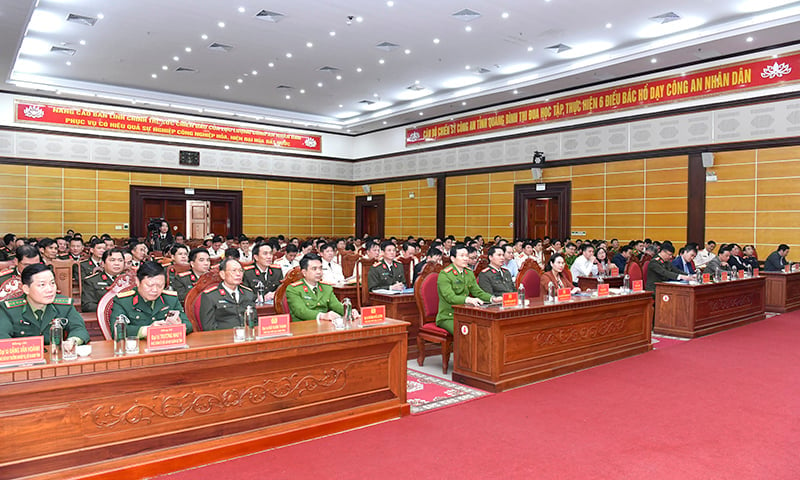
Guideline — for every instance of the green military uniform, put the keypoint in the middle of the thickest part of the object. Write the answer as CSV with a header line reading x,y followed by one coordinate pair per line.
x,y
183,282
17,319
382,275
142,313
306,302
454,287
570,259
271,277
88,267
659,270
5,254
94,287
219,310
8,273
495,281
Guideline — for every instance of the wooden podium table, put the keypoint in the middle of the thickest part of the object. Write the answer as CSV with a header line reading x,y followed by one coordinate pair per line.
x,y
402,306
497,349
141,415
587,283
347,290
690,311
783,291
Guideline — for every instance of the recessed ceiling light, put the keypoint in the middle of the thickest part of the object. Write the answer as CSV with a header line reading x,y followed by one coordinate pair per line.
x,y
416,82
375,95
69,63
407,51
332,33
530,49
358,69
270,64
609,25
82,42
302,90
221,24
239,80
319,84
384,122
436,41
359,19
463,103
341,106
468,28
164,67
309,44
101,16
467,67
154,75
241,9
653,60
338,77
288,54
176,58
516,92
381,61
504,15
204,36
254,72
188,49
749,39
390,3
288,97
227,87
421,113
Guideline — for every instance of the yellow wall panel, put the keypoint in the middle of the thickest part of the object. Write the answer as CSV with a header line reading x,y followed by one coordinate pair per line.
x,y
624,179
624,220
619,193
678,162
625,166
675,190
772,154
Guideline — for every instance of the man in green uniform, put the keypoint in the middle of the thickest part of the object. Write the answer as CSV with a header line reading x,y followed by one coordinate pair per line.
x,y
309,299
32,314
149,304
222,306
26,255
457,286
387,273
263,270
200,263
661,269
496,279
96,285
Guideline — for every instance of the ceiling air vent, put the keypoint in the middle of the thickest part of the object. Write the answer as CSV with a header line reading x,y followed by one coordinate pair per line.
x,y
185,69
559,48
416,87
220,47
387,46
367,102
328,68
284,87
666,17
483,71
82,19
268,16
466,15
62,50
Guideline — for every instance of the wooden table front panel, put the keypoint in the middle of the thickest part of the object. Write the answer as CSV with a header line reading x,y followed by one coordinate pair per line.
x,y
587,283
782,291
507,348
77,413
689,311
403,307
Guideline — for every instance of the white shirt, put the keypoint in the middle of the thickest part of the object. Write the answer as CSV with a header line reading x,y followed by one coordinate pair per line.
x,y
703,257
582,267
286,265
245,257
332,273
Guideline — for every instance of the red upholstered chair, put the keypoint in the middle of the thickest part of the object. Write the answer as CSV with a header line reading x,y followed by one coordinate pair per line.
x,y
191,304
633,270
532,281
426,296
11,288
281,305
123,283
408,269
644,272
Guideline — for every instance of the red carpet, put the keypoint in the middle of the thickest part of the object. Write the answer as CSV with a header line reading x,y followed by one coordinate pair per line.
x,y
724,406
426,392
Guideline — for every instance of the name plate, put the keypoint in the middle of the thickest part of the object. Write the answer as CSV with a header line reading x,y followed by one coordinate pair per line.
x,y
373,315
724,276
614,271
510,299
638,285
166,337
755,272
21,351
706,278
740,274
274,326
564,294
787,268
602,289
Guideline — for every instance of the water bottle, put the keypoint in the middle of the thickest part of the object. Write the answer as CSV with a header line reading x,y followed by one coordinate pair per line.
x,y
260,293
552,294
733,273
521,295
120,332
348,313
749,272
56,337
718,275
250,322
626,283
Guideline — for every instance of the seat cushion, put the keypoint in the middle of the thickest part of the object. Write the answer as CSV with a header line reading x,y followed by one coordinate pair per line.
x,y
433,329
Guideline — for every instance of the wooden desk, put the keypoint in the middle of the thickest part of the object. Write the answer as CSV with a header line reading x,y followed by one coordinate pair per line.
x,y
402,307
505,348
142,415
690,311
349,290
590,283
782,291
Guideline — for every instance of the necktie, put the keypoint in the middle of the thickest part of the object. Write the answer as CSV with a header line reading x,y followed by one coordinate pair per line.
x,y
236,296
38,314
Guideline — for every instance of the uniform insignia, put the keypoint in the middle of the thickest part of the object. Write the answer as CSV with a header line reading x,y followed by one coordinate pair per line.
x,y
376,264
299,282
193,278
127,293
275,265
222,291
93,275
449,268
249,267
62,301
384,266
485,269
15,302
245,288
184,274
210,289
171,293
104,277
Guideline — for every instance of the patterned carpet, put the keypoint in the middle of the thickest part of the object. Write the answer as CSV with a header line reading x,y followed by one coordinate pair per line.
x,y
426,392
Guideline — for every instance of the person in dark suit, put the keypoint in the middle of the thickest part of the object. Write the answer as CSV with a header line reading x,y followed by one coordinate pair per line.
x,y
777,259
684,262
163,238
736,259
661,269
720,262
750,258
433,255
222,306
621,259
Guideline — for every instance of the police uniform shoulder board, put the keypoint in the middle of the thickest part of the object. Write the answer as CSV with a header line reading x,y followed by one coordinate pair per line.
x,y
7,272
15,302
485,269
274,265
92,275
249,267
126,293
449,268
62,301
210,289
296,284
245,288
184,274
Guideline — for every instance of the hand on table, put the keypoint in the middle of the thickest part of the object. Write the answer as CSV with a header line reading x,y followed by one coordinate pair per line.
x,y
473,301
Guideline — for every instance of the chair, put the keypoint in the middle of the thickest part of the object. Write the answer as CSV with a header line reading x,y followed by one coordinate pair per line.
x,y
361,281
482,263
349,261
123,283
532,281
634,271
281,305
62,269
408,268
644,271
426,296
11,288
191,305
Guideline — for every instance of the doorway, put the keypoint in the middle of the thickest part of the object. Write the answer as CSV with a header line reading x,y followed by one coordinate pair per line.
x,y
542,210
370,215
198,217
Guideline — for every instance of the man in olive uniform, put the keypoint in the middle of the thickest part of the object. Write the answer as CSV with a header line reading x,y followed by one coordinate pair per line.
x,y
95,261
149,304
222,306
457,286
25,255
200,263
661,269
32,314
387,273
309,299
496,279
96,285
263,270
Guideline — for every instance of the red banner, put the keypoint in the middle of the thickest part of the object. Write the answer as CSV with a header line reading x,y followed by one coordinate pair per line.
x,y
21,351
166,337
156,125
732,78
274,326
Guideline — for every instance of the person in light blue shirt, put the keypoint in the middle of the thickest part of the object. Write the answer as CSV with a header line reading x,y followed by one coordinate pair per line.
x,y
509,262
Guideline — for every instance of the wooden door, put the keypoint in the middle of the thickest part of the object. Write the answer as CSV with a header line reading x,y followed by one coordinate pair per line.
x,y
542,217
220,218
198,218
153,208
173,211
370,211
552,218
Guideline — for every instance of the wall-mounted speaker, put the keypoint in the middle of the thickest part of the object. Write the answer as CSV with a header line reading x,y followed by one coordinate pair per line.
x,y
536,173
708,159
538,158
366,188
186,157
431,182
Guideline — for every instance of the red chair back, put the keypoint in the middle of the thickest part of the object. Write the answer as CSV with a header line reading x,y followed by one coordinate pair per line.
x,y
123,283
634,271
644,271
11,288
429,294
281,305
532,281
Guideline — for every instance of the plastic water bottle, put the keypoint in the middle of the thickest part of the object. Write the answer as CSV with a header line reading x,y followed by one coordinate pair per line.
x,y
626,283
749,272
551,292
348,313
250,323
120,332
521,295
56,337
733,273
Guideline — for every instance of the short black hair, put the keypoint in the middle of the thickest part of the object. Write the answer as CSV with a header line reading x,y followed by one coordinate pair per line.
x,y
26,251
176,247
455,248
291,248
31,270
110,251
308,258
326,246
193,253
45,242
258,246
586,245
387,243
723,249
149,269
624,248
433,251
9,238
667,247
783,247
494,249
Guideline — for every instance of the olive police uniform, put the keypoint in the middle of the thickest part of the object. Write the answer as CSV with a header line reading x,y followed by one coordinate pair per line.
x,y
89,266
306,302
271,277
183,282
219,309
659,270
17,319
142,313
454,287
495,281
382,275
94,287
